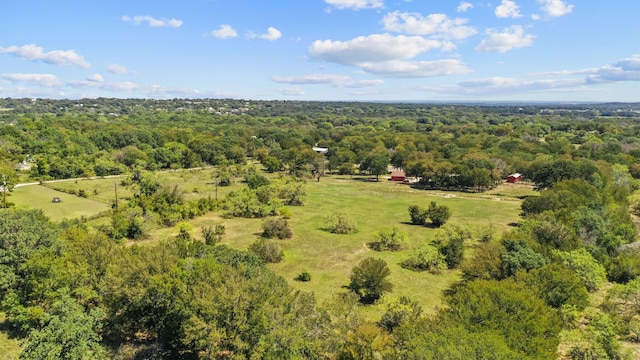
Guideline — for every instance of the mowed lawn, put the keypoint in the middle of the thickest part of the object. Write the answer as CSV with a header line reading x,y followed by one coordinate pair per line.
x,y
70,207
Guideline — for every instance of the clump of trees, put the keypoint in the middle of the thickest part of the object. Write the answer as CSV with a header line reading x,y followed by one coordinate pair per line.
x,y
445,252
437,214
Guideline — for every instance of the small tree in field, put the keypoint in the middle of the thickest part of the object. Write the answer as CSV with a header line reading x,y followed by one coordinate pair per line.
x,y
389,238
268,250
213,234
425,258
276,228
418,215
369,279
340,223
438,214
451,245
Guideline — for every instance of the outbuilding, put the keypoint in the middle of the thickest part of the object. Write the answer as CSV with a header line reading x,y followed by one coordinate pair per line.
x,y
398,175
514,178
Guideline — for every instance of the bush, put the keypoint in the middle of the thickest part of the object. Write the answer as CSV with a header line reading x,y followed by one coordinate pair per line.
x,y
267,250
425,258
304,276
213,234
418,215
438,214
340,223
451,245
276,228
285,213
389,238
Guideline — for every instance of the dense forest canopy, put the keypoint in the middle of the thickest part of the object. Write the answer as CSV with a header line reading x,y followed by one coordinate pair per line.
x,y
562,283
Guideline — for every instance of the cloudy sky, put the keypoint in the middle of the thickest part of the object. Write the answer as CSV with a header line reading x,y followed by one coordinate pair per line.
x,y
536,50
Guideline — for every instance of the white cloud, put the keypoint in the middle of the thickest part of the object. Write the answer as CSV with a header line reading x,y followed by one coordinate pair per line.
x,y
555,8
356,4
357,84
311,79
503,85
47,80
118,69
340,81
97,81
295,91
627,69
153,22
272,34
372,49
508,9
224,32
96,78
56,57
414,69
464,6
436,25
510,38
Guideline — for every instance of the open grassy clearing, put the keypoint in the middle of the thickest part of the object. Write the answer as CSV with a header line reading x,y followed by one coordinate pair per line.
x,y
330,257
70,207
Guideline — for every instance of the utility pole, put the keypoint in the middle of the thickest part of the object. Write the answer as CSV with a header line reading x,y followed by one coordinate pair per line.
x,y
4,189
115,188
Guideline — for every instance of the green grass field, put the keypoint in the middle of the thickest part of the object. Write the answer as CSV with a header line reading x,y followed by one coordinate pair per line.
x,y
70,207
329,257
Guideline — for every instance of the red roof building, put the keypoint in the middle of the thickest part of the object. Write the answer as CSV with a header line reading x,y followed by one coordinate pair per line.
x,y
514,178
398,175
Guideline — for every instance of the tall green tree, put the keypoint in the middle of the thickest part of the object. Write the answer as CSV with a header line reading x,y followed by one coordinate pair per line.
x,y
22,233
369,279
510,310
375,164
68,333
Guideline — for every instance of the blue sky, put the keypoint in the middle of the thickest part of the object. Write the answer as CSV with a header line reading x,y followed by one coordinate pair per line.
x,y
348,50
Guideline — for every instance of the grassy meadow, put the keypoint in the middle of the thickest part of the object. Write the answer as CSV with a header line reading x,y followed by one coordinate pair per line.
x,y
328,257
70,206
373,205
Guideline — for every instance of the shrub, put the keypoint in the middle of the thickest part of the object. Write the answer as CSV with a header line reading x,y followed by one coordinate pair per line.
x,y
389,238
267,250
304,276
213,234
418,215
425,258
285,213
451,245
340,223
438,214
276,228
